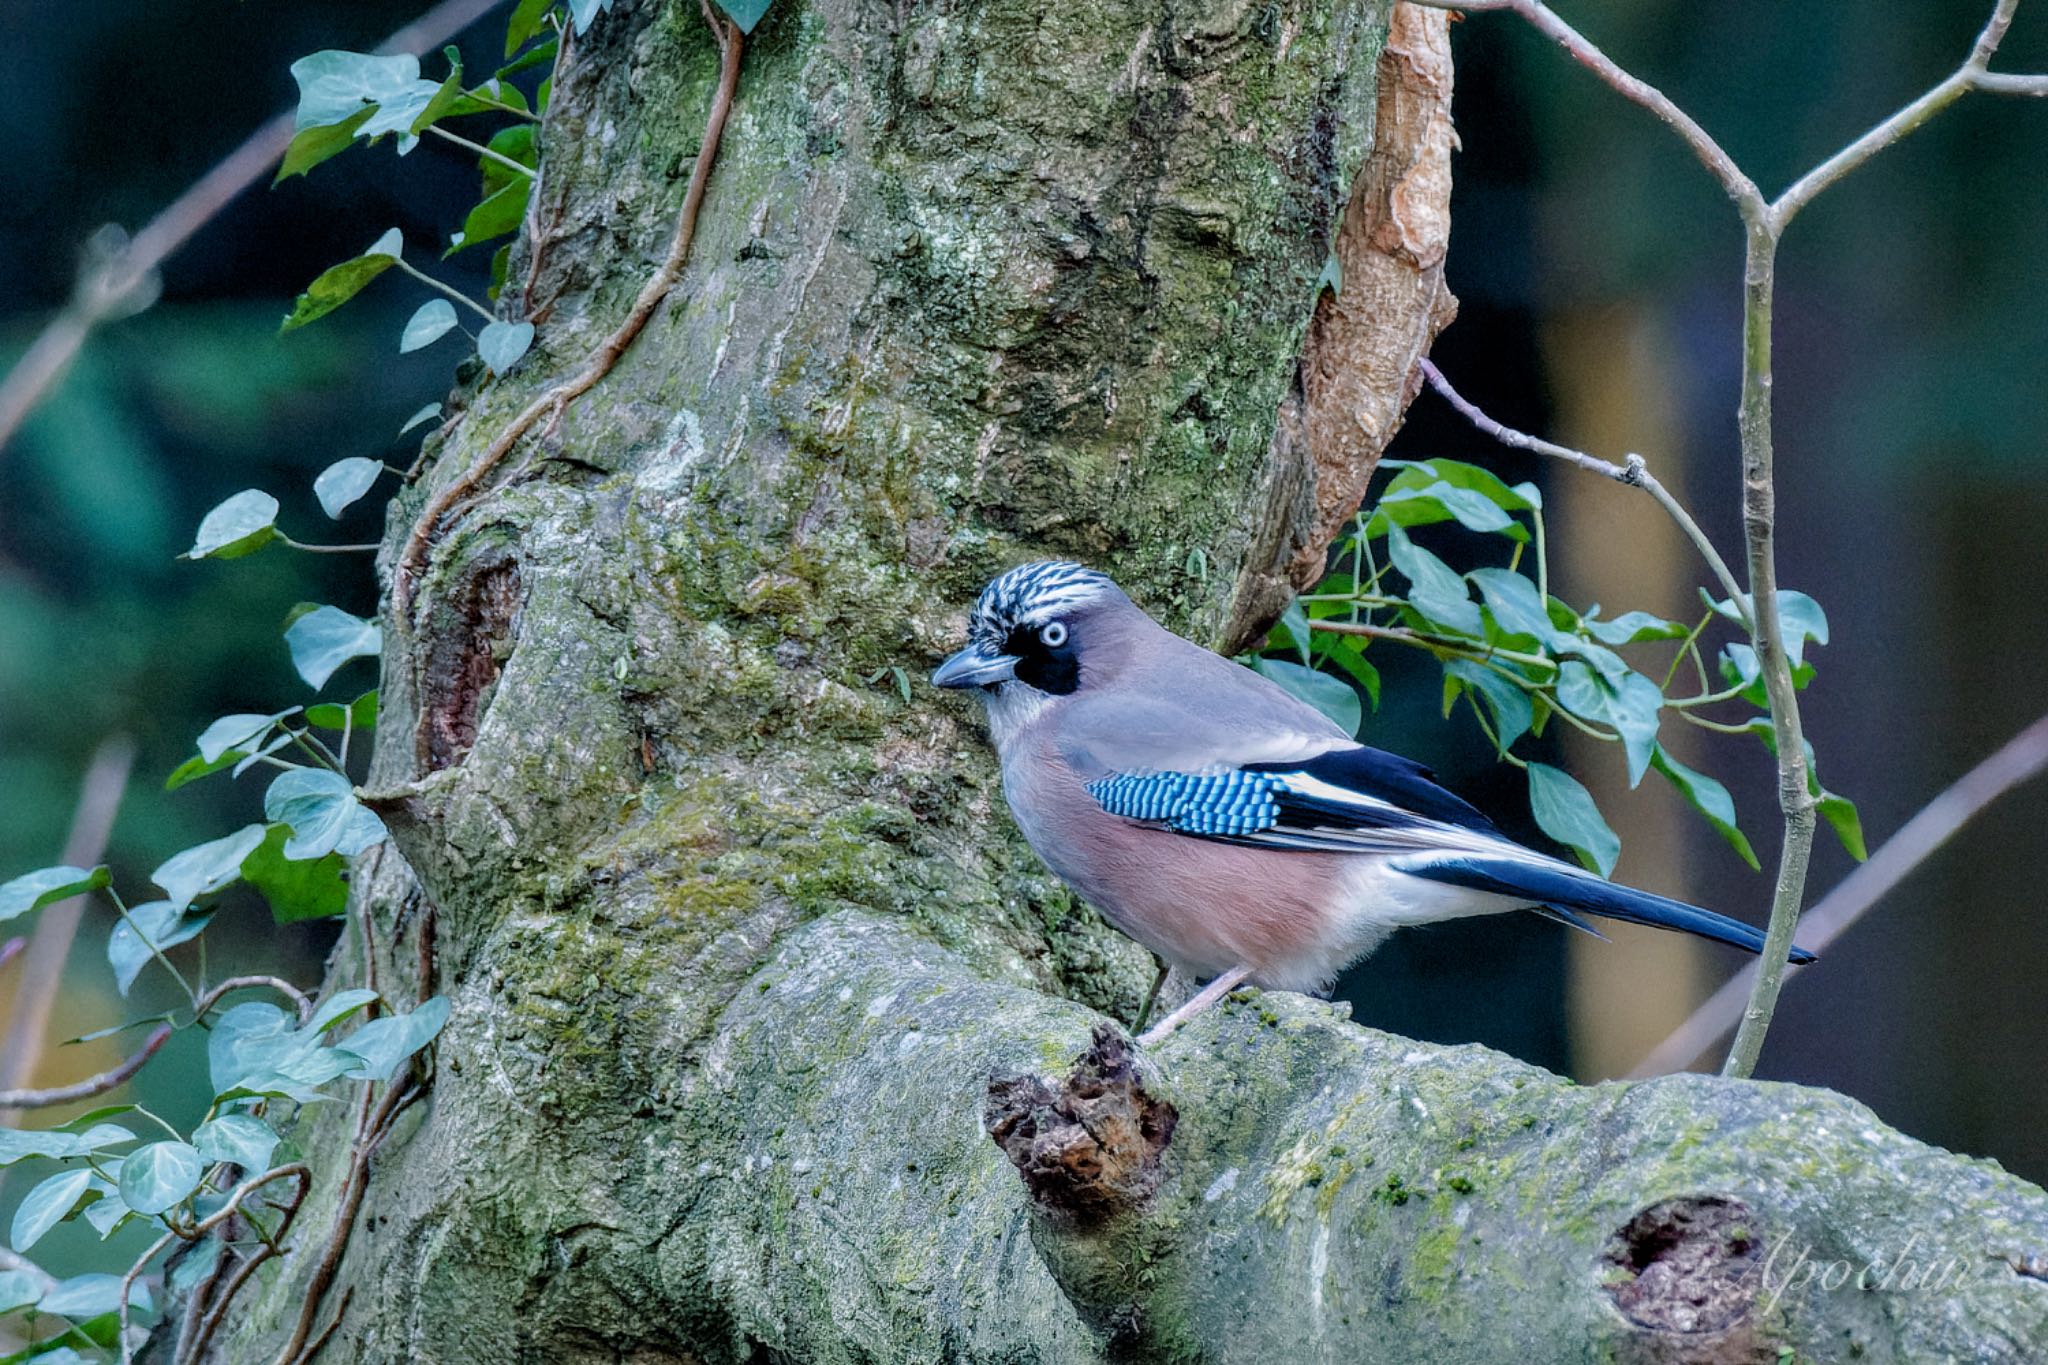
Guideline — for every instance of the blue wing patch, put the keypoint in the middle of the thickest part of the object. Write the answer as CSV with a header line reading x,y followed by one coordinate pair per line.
x,y
1222,805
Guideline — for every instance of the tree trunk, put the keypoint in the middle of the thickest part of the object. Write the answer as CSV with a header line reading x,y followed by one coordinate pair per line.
x,y
747,961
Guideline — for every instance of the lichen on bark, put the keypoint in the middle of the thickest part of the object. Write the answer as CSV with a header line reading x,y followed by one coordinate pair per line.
x,y
738,937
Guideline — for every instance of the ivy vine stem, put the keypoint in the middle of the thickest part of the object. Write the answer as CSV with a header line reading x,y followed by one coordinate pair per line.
x,y
439,287
459,140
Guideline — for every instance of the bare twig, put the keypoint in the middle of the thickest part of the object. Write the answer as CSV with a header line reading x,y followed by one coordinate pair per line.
x,y
2023,757
1739,187
42,969
93,1085
112,285
1635,473
412,558
299,999
1973,74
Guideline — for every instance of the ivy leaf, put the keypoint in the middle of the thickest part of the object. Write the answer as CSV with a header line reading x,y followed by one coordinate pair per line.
x,y
425,414
296,888
360,714
92,1295
516,144
584,11
334,85
49,1203
529,17
433,320
311,146
1517,608
502,344
243,1139
1472,510
34,890
325,638
383,1044
322,810
19,1144
1565,811
1513,713
1633,628
1433,589
340,1007
1331,696
159,1176
339,283
447,95
231,733
1349,655
1800,618
497,215
1710,799
344,481
1293,625
745,13
206,868
240,526
164,924
1842,817
18,1289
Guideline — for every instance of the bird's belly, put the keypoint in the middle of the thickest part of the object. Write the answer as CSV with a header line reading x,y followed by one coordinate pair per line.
x,y
1202,905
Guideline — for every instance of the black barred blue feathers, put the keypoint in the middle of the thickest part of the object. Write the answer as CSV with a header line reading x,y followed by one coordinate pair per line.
x,y
1223,805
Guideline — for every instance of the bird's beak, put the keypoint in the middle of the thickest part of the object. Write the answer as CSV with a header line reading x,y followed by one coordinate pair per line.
x,y
973,668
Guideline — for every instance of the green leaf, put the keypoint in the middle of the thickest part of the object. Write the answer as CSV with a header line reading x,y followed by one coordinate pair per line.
x,y
501,261
192,769
433,320
162,923
1512,711
339,283
360,714
196,1266
1799,618
311,146
322,809
245,1140
159,1176
447,95
1517,609
49,1203
425,414
584,11
1474,511
1293,627
19,1144
251,1034
1331,696
516,144
1710,799
745,13
1842,817
502,344
334,86
240,526
383,1044
296,888
528,18
501,213
91,1296
340,1007
242,731
344,481
206,868
1332,277
1433,589
1565,811
18,1289
34,890
1634,627
1349,655
325,638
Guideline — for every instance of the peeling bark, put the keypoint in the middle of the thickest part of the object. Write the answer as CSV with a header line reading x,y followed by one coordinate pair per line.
x,y
738,939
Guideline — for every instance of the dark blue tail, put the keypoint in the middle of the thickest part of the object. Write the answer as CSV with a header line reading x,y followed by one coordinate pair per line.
x,y
1567,889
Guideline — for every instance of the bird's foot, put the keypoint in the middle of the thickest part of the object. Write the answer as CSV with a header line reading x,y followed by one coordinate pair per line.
x,y
1207,996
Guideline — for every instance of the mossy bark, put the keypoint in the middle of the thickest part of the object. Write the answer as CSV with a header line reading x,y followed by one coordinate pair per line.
x,y
738,936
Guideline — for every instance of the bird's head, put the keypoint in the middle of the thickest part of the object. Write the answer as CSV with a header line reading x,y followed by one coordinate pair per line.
x,y
1029,630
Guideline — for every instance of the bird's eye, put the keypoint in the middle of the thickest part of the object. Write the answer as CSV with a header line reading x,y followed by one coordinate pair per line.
x,y
1054,635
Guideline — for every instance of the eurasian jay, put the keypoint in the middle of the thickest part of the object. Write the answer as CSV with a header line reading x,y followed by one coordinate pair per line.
x,y
1236,832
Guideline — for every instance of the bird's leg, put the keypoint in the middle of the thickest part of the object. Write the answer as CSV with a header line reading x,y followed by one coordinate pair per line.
x,y
1207,996
1151,996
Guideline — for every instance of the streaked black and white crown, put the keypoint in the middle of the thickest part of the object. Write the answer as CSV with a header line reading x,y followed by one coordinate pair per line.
x,y
1033,594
